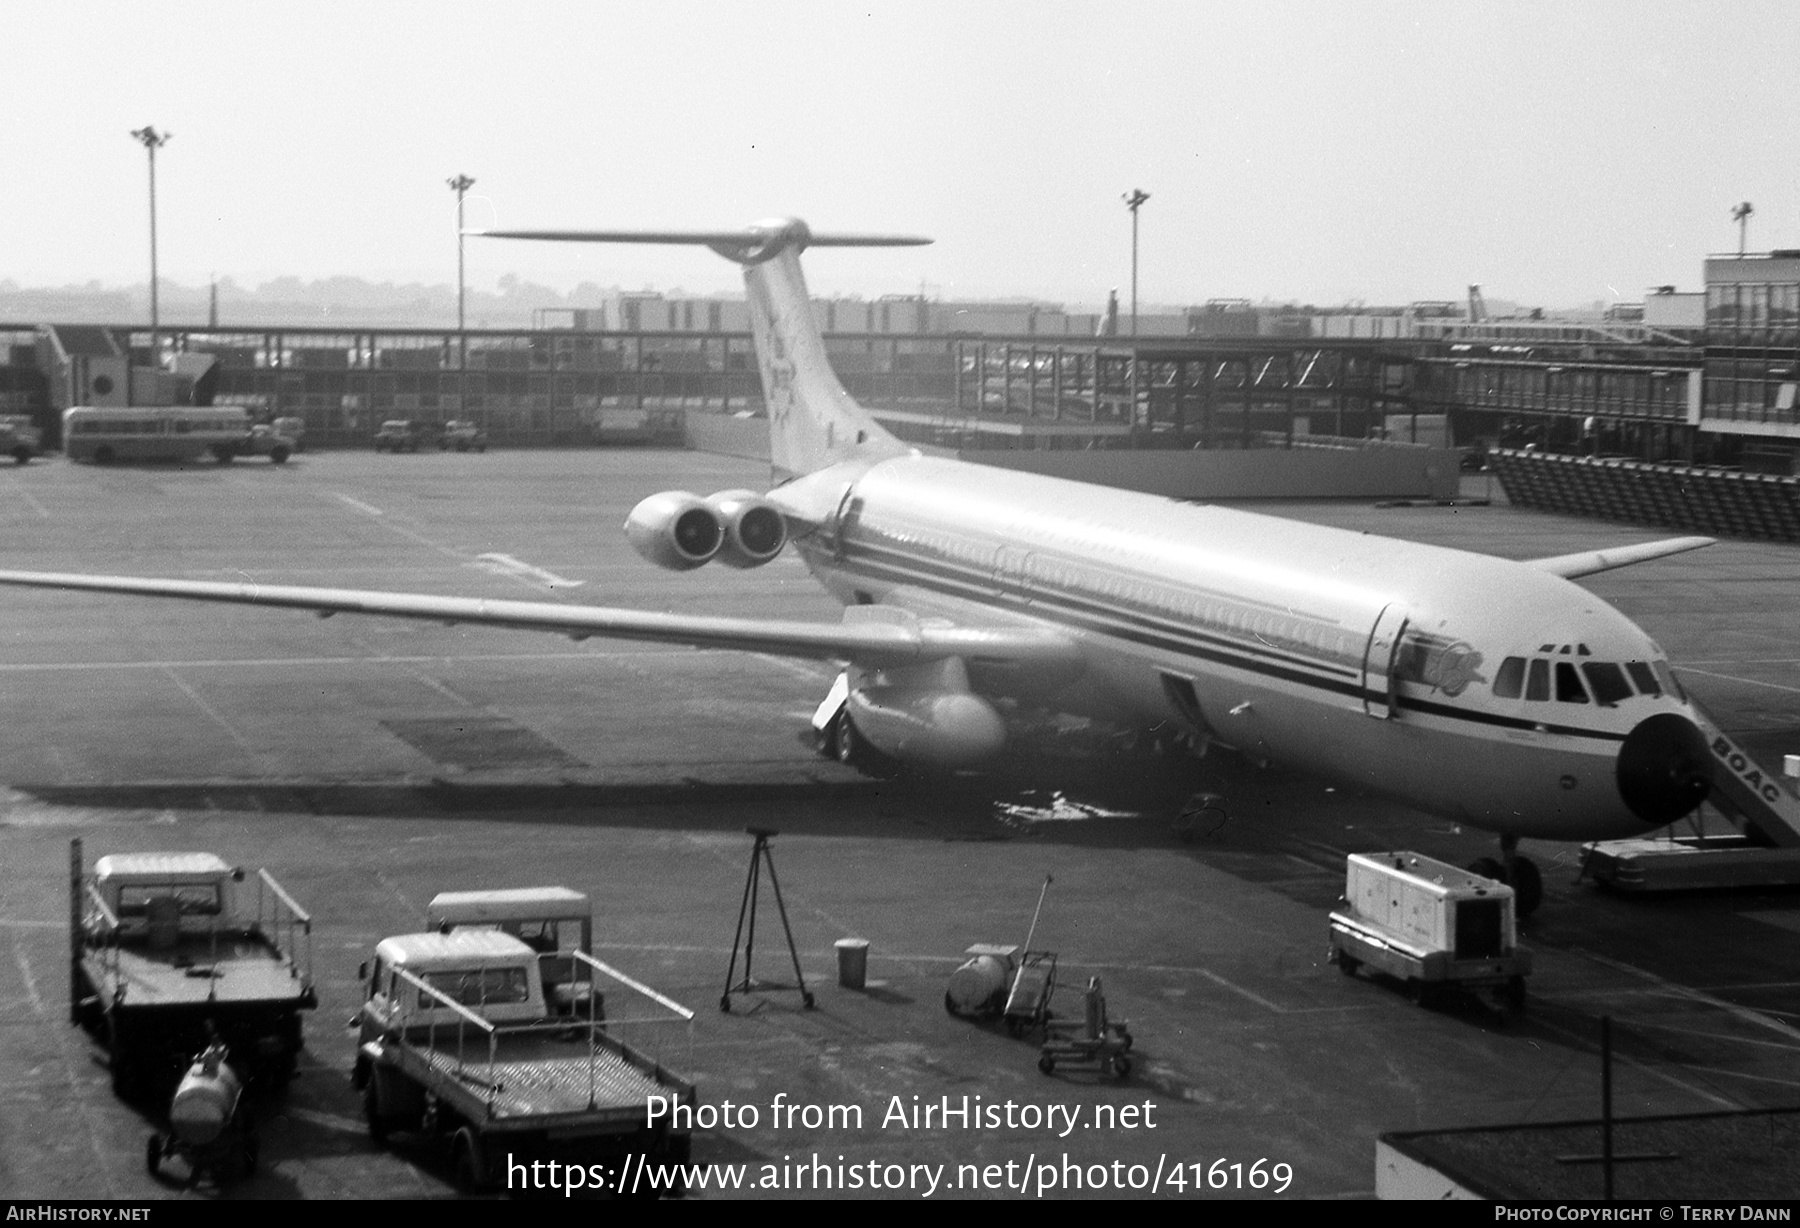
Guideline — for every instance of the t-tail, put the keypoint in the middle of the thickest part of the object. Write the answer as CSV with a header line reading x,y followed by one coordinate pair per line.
x,y
814,422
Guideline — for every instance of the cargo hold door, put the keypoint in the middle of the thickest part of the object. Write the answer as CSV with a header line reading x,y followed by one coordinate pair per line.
x,y
1378,661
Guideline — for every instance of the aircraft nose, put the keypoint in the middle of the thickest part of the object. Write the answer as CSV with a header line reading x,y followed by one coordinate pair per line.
x,y
1665,768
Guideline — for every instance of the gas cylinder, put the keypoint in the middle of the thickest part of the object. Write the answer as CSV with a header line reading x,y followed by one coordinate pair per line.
x,y
206,1099
978,987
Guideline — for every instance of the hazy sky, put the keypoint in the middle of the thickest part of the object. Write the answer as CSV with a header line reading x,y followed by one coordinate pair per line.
x,y
1556,153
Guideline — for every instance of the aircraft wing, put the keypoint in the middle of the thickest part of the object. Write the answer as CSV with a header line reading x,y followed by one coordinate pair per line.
x,y
878,636
1571,566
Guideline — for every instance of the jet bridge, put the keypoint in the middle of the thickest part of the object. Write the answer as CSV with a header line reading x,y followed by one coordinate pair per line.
x,y
1760,849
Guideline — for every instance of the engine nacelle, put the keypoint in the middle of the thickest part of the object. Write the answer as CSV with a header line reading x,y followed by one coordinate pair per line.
x,y
926,716
755,530
676,530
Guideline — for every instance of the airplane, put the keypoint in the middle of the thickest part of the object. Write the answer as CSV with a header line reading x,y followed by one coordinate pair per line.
x,y
1498,694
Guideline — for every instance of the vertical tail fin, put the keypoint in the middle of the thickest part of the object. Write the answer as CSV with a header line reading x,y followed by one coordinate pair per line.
x,y
813,421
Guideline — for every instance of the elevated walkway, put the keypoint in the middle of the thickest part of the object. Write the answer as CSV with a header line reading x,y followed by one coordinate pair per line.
x,y
1717,501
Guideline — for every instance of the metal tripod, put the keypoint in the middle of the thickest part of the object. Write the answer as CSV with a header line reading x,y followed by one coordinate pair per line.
x,y
759,857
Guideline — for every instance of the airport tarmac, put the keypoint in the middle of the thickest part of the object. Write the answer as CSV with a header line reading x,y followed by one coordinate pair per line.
x,y
371,764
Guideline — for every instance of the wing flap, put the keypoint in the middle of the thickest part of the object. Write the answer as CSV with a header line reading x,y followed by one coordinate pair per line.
x,y
1588,562
862,639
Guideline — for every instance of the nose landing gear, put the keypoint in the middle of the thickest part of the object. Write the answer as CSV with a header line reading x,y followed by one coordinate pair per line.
x,y
1516,871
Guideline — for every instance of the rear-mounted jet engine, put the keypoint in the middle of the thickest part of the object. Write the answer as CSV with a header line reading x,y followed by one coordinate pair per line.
x,y
681,531
755,531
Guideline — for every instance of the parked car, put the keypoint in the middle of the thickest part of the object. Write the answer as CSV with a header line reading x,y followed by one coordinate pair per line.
x,y
398,435
294,429
463,437
265,440
19,439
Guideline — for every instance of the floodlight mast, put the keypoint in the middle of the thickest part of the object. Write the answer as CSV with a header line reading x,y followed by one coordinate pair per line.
x,y
152,140
460,185
1741,215
1134,200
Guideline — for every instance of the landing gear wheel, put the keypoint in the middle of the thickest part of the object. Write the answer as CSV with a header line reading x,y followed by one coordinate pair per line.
x,y
1346,963
1519,873
853,750
1515,995
1488,867
1528,886
950,1006
1121,1067
153,1151
846,742
1047,1064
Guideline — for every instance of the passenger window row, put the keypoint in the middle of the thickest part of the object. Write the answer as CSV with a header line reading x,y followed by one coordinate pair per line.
x,y
1605,682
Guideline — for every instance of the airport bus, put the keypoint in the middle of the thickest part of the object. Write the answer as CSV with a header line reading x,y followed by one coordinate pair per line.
x,y
104,434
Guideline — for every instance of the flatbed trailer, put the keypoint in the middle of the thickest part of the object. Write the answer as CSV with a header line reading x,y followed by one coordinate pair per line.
x,y
459,1045
162,963
551,1077
1690,863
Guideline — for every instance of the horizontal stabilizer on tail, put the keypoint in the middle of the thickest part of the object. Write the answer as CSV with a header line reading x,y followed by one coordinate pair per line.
x,y
746,244
814,423
700,238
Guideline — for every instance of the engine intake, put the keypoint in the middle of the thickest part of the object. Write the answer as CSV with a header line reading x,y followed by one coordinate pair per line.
x,y
676,530
755,530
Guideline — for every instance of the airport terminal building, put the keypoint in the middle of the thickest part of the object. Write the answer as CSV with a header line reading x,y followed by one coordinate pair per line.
x,y
1687,377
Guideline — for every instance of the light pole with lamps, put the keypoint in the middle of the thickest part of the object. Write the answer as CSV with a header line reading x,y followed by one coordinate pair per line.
x,y
460,185
152,140
1134,199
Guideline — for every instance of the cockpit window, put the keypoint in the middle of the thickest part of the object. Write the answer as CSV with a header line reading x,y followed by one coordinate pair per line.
x,y
1509,678
1537,682
1568,684
1607,681
1667,677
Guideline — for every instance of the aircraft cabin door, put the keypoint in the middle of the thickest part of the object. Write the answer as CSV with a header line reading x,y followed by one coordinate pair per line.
x,y
841,515
1378,661
1012,572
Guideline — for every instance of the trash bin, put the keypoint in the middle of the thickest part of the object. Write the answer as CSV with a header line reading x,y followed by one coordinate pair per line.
x,y
853,962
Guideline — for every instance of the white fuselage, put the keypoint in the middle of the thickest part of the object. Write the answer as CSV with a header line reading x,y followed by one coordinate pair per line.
x,y
1358,658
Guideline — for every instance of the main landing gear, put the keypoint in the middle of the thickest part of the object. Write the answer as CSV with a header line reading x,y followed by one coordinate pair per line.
x,y
844,742
1516,871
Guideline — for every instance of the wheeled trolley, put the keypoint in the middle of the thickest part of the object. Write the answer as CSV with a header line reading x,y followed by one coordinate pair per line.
x,y
1028,998
1091,1040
